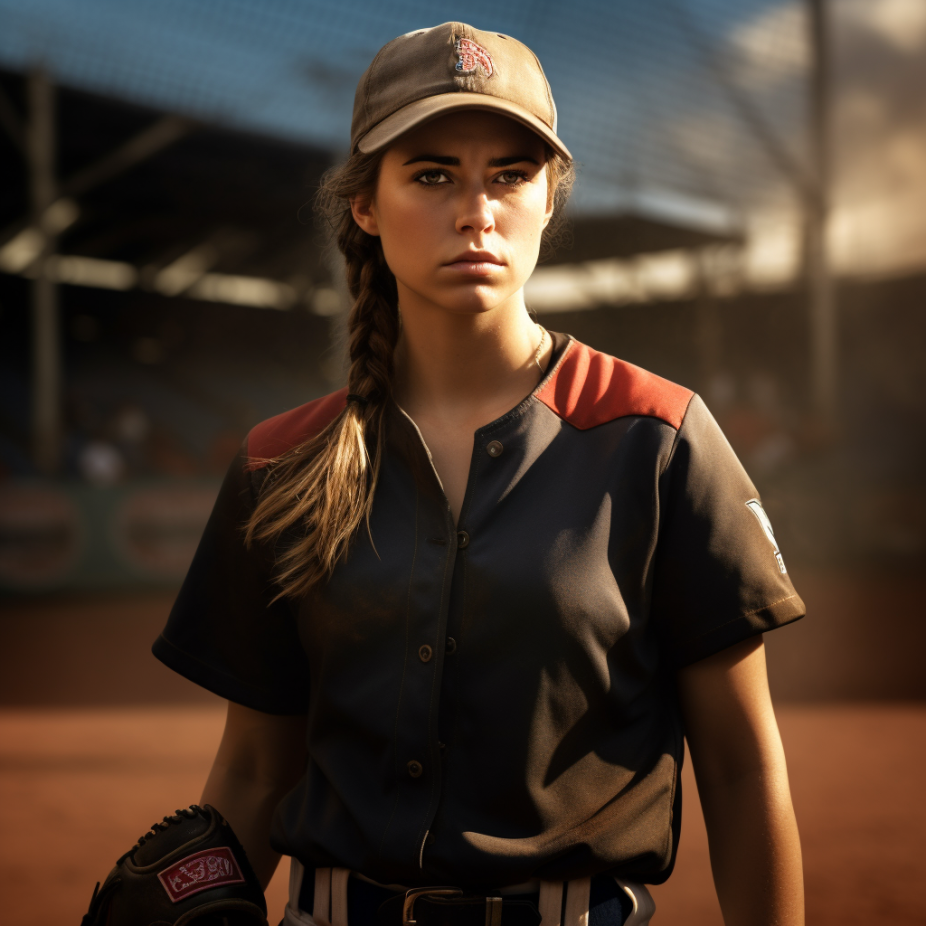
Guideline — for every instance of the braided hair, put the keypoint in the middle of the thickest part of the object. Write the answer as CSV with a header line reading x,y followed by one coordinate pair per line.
x,y
322,490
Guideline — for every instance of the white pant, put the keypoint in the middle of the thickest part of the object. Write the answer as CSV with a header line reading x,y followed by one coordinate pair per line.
x,y
331,900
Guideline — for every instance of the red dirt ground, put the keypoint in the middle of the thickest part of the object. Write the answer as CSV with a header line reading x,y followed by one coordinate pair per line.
x,y
98,740
77,788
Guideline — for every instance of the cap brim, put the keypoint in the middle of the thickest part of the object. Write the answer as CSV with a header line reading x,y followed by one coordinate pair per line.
x,y
421,111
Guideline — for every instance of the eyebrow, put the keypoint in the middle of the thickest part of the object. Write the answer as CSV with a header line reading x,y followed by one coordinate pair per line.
x,y
455,162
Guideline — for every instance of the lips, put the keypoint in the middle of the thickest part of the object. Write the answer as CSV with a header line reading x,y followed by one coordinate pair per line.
x,y
475,263
475,257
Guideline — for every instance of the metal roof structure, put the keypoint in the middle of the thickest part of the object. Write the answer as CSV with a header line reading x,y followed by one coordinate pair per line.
x,y
168,200
171,148
682,114
163,203
701,98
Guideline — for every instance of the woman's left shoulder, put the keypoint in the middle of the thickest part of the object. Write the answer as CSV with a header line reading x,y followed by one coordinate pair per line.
x,y
588,388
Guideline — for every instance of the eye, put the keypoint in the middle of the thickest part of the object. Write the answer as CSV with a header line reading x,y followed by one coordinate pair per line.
x,y
512,177
432,177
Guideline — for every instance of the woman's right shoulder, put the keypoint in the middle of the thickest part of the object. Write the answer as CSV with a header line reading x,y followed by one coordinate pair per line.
x,y
282,432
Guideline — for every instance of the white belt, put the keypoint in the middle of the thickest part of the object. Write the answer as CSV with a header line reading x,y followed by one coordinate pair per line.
x,y
330,908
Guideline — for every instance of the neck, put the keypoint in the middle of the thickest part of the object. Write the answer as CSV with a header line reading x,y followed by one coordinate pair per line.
x,y
463,363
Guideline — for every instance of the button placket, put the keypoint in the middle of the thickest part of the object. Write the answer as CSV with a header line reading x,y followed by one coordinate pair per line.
x,y
431,656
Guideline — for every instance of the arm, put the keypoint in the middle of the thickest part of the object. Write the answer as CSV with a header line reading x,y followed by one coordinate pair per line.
x,y
260,758
742,781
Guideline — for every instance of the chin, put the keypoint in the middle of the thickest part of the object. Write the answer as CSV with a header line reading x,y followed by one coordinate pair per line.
x,y
466,300
473,305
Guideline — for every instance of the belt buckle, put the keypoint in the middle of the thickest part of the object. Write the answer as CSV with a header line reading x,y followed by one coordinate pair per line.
x,y
408,907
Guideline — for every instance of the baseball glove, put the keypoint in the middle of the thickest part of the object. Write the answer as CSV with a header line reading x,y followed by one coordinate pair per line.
x,y
190,868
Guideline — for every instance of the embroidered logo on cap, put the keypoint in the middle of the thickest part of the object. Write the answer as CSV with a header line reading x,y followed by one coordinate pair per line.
x,y
470,55
200,872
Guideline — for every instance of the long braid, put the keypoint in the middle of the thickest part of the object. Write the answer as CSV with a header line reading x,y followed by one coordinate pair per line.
x,y
373,326
322,491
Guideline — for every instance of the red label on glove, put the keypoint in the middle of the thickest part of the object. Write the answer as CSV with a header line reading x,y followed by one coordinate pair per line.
x,y
200,872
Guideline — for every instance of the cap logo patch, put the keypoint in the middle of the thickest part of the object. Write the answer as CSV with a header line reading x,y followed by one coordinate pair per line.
x,y
470,55
755,506
200,872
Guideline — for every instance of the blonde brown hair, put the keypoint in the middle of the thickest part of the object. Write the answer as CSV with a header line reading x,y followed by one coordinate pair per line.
x,y
321,491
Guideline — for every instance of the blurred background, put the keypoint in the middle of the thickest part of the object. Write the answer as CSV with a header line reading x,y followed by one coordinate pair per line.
x,y
749,220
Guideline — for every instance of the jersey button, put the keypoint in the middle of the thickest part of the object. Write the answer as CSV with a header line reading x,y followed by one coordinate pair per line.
x,y
451,646
462,540
494,448
415,768
425,652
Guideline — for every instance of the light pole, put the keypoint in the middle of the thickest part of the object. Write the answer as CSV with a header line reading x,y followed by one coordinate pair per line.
x,y
822,304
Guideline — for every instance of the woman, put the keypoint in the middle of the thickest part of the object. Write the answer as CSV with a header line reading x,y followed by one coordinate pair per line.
x,y
484,590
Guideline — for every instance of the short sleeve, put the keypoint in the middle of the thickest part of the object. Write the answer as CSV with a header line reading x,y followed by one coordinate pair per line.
x,y
719,575
223,633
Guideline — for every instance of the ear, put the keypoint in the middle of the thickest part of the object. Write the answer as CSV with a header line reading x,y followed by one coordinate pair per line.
x,y
364,212
551,197
549,213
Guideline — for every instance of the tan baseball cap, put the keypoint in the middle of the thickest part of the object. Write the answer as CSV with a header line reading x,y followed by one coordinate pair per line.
x,y
429,72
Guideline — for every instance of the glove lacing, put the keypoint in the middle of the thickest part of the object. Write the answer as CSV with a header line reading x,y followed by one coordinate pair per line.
x,y
178,816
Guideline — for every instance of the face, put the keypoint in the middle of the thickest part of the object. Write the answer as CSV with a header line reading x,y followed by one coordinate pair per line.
x,y
460,206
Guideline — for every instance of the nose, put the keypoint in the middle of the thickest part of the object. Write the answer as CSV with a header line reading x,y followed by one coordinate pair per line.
x,y
475,212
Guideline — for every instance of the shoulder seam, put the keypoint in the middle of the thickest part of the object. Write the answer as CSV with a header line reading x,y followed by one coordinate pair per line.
x,y
671,455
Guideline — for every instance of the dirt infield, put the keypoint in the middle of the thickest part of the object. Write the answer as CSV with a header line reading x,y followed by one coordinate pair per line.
x,y
78,787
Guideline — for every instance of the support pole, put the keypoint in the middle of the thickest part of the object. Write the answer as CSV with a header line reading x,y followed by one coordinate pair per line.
x,y
46,335
708,330
821,297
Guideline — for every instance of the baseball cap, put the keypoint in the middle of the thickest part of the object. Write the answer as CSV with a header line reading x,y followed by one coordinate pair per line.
x,y
429,72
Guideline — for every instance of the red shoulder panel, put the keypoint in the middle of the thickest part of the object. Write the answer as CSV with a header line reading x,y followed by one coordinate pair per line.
x,y
276,435
589,388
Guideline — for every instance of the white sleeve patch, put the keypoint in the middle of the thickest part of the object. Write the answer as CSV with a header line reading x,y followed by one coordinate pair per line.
x,y
755,506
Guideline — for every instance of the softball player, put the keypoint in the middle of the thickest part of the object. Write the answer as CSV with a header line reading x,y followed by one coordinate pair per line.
x,y
466,610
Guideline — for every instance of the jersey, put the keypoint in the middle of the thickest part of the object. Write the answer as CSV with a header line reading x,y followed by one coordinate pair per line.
x,y
493,701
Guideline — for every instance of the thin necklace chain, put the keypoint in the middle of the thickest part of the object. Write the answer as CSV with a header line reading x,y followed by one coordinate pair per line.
x,y
539,351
